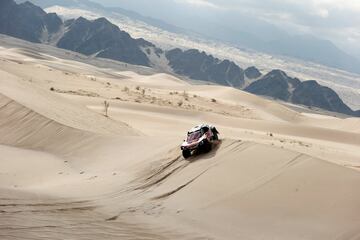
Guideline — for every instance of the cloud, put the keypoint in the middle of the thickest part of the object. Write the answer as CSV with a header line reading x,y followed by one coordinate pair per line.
x,y
321,9
322,12
200,3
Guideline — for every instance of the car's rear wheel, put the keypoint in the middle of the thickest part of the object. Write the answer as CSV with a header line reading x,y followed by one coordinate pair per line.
x,y
205,146
215,137
186,153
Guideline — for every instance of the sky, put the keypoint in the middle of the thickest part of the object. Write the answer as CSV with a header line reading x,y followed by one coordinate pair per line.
x,y
335,20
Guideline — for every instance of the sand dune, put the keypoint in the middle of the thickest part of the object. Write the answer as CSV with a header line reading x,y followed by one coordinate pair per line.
x,y
69,172
288,193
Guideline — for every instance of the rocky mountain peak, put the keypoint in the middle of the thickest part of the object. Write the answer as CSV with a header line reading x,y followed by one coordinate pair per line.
x,y
27,21
101,38
201,66
252,73
277,84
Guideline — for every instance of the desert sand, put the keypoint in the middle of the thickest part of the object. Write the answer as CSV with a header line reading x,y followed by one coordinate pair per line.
x,y
69,172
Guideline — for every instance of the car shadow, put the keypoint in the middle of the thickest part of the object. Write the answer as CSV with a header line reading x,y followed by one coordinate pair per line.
x,y
198,156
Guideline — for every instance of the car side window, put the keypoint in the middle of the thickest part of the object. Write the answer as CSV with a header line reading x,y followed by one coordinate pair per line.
x,y
205,129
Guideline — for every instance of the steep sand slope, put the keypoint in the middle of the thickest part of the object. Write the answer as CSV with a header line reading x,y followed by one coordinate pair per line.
x,y
68,172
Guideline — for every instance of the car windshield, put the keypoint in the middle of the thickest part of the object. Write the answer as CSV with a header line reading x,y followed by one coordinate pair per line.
x,y
194,136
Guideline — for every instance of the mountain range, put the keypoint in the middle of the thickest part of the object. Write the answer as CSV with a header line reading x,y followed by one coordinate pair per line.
x,y
98,38
241,29
101,38
246,31
278,85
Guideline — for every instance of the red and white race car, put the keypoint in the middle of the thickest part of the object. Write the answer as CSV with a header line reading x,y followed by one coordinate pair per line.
x,y
200,139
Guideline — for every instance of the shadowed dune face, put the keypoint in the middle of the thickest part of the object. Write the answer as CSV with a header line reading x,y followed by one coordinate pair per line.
x,y
67,171
22,127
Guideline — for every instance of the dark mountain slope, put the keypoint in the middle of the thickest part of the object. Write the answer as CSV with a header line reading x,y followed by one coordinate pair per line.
x,y
275,84
252,73
278,85
98,38
104,39
27,21
310,93
200,66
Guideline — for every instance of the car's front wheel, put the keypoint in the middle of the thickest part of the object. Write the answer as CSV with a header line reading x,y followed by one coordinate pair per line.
x,y
186,153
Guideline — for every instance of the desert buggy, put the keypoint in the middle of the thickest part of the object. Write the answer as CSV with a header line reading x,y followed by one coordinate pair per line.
x,y
199,139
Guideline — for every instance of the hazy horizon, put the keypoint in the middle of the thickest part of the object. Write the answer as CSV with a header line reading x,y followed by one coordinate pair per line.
x,y
332,20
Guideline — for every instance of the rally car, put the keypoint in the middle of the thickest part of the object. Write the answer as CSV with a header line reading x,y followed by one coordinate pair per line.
x,y
199,139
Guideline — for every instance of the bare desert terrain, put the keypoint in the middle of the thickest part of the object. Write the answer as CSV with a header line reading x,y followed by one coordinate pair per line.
x,y
69,172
